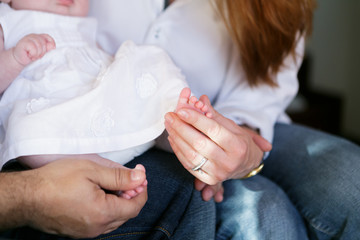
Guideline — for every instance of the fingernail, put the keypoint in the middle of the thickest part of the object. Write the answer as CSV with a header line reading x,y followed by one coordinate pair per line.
x,y
183,114
140,167
136,175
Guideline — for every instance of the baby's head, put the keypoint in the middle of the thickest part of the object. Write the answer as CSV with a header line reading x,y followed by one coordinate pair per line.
x,y
77,8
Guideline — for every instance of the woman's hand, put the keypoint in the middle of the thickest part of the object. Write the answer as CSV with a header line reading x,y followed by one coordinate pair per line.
x,y
232,151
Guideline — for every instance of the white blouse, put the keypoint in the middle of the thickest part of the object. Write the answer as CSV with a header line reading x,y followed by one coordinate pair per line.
x,y
196,39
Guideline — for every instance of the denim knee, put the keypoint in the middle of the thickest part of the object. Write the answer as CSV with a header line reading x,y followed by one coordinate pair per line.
x,y
319,173
256,208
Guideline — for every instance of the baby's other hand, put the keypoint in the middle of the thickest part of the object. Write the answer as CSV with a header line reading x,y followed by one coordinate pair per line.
x,y
32,47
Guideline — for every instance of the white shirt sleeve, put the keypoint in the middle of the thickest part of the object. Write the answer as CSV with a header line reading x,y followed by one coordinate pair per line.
x,y
262,106
198,42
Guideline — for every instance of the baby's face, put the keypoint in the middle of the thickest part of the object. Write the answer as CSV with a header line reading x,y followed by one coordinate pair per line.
x,y
64,7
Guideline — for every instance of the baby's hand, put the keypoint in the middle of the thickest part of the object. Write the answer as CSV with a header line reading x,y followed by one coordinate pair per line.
x,y
191,102
139,189
32,47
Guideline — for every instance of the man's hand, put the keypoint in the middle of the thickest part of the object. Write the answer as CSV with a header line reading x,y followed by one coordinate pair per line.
x,y
67,197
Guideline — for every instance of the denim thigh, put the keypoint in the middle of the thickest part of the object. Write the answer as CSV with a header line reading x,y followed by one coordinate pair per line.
x,y
257,209
320,174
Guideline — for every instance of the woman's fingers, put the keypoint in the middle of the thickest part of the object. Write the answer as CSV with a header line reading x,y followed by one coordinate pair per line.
x,y
191,158
261,142
231,151
210,191
225,122
199,185
191,146
180,149
209,127
197,137
233,154
219,196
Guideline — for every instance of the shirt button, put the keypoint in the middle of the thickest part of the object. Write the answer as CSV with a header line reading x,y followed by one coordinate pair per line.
x,y
157,33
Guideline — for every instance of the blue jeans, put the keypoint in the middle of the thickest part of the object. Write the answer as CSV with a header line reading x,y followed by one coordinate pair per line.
x,y
257,209
308,188
174,209
320,174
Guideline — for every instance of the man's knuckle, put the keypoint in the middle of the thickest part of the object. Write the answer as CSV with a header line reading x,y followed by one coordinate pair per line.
x,y
119,177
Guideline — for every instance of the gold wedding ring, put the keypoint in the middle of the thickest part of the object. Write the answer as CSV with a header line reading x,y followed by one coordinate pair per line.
x,y
254,171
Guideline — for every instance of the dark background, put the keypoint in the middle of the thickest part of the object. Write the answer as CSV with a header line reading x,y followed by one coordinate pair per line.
x,y
329,95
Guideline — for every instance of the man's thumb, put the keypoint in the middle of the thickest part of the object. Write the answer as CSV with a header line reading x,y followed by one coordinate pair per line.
x,y
122,179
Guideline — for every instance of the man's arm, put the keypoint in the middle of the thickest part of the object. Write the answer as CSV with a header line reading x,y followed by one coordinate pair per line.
x,y
67,197
12,192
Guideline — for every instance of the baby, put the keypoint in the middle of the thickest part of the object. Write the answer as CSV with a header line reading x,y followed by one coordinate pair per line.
x,y
62,96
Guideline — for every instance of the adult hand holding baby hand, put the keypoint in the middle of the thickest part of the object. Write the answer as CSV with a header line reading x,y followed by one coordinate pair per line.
x,y
67,197
231,151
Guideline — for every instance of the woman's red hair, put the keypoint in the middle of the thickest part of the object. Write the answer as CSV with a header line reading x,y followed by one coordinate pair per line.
x,y
265,32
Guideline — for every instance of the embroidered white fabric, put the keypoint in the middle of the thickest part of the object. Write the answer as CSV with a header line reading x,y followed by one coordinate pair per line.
x,y
114,109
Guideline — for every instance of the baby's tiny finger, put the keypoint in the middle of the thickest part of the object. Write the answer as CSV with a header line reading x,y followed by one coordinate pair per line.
x,y
193,100
131,193
139,189
125,195
145,183
50,42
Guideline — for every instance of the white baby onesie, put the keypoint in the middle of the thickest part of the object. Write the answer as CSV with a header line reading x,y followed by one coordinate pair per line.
x,y
79,100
